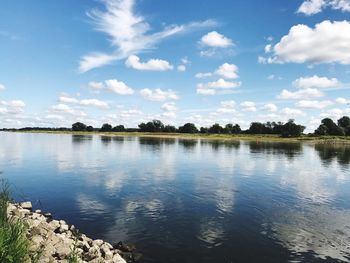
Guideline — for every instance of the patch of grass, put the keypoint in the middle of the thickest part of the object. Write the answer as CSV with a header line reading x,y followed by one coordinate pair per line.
x,y
74,257
14,245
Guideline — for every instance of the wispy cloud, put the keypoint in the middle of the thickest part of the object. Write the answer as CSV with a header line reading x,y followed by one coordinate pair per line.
x,y
128,32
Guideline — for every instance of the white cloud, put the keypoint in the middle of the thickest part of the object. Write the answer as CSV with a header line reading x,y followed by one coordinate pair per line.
x,y
316,82
270,107
248,106
342,101
300,94
129,33
96,85
94,102
66,99
328,42
292,113
158,95
311,7
151,65
228,71
203,75
271,77
205,88
227,107
181,68
205,91
12,107
169,106
2,87
313,104
335,113
112,85
85,102
215,39
63,108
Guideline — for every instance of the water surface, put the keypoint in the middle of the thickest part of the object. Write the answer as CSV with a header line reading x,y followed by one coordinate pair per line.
x,y
190,200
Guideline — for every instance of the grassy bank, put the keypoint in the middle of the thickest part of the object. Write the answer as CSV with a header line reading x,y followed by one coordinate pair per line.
x,y
244,137
14,245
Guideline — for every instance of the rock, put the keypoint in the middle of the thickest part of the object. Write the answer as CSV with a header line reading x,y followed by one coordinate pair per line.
x,y
97,242
106,252
94,252
38,211
124,247
26,205
63,228
118,259
62,251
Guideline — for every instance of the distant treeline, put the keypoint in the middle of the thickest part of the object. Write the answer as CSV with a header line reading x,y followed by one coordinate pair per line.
x,y
288,129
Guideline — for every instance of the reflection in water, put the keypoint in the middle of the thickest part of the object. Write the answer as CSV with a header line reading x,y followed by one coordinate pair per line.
x,y
191,200
328,153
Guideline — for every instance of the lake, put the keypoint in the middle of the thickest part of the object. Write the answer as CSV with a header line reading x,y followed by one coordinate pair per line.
x,y
190,200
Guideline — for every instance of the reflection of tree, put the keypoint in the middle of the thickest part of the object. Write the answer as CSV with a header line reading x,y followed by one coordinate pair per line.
x,y
218,144
77,139
188,144
106,139
290,150
328,153
155,143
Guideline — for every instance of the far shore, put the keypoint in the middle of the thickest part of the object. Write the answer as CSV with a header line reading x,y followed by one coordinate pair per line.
x,y
225,137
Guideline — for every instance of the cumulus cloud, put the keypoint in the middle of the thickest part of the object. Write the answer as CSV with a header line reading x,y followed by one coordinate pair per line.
x,y
181,68
270,107
128,32
203,75
65,109
2,87
228,71
158,94
12,107
311,7
169,106
335,113
210,87
215,39
316,82
292,113
248,106
227,107
300,94
342,101
112,85
151,65
313,104
328,42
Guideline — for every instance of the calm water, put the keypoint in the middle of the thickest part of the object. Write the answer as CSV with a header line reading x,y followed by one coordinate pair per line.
x,y
190,201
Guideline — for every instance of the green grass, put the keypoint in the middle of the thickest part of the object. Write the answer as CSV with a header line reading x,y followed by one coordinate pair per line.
x,y
14,245
244,137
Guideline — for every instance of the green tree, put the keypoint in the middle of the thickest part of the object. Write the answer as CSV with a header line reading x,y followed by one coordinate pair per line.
x,y
78,126
119,128
188,128
216,129
106,128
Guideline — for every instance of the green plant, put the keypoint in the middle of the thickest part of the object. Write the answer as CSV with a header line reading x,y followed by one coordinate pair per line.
x,y
14,245
74,257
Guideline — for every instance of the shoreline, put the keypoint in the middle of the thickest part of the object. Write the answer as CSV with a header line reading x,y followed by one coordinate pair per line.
x,y
223,137
56,241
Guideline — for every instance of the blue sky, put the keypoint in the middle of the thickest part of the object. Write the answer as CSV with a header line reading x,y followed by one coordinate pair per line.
x,y
128,61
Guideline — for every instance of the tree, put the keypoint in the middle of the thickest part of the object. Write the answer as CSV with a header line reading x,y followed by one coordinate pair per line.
x,y
321,130
78,126
188,128
203,130
332,128
216,129
152,126
106,128
169,128
89,128
256,128
290,129
232,129
344,123
119,128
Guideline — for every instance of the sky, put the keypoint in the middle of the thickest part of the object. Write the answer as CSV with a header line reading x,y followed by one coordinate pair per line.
x,y
131,61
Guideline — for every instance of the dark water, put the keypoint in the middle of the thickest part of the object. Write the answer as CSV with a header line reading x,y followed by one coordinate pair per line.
x,y
190,201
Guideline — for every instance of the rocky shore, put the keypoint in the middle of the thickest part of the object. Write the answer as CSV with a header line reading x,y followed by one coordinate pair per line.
x,y
56,241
